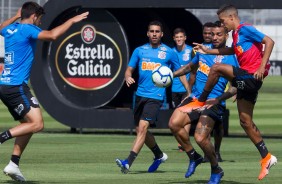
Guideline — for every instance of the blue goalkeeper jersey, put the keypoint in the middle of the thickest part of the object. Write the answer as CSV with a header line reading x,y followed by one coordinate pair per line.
x,y
146,58
184,57
205,62
20,44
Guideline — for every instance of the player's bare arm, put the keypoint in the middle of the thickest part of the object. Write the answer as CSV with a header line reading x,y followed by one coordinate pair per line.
x,y
11,20
128,76
205,50
184,70
185,84
58,31
269,44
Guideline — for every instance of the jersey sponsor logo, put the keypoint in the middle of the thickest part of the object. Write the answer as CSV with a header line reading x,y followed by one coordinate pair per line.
x,y
204,68
19,109
149,65
89,65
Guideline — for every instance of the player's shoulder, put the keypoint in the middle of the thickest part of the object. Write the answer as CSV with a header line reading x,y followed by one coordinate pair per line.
x,y
165,48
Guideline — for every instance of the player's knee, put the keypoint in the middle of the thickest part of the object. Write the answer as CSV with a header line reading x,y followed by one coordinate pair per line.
x,y
244,123
38,126
215,69
173,124
199,138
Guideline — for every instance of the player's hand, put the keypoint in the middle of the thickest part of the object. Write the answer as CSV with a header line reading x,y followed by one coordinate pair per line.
x,y
259,74
211,102
200,48
129,81
19,13
80,17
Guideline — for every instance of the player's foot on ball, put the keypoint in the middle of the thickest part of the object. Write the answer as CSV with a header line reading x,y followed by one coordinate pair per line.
x,y
14,172
266,164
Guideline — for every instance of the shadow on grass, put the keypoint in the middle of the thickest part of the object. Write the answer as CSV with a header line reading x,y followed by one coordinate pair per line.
x,y
205,182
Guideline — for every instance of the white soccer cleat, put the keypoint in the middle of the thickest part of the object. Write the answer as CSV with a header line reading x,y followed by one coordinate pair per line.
x,y
14,172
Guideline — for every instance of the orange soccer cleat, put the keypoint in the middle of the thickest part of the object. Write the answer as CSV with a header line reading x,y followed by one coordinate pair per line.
x,y
266,164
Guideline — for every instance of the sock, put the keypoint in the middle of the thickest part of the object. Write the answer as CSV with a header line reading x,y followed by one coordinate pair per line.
x,y
157,151
262,149
131,157
15,159
216,169
204,96
4,136
193,155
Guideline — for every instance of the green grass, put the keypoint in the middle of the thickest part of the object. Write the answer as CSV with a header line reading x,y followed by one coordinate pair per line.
x,y
89,158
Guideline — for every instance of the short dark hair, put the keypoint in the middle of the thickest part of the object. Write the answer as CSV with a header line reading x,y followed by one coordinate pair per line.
x,y
208,24
219,24
227,7
179,30
156,23
30,8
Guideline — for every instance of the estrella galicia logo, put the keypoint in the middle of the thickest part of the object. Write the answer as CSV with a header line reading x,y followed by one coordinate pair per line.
x,y
88,34
89,59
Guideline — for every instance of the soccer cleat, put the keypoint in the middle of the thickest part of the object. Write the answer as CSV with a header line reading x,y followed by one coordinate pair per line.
x,y
193,105
157,162
123,164
192,166
14,172
266,164
216,177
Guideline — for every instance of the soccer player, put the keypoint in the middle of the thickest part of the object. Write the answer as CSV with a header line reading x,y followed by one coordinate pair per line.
x,y
20,42
254,65
207,118
184,53
218,130
149,97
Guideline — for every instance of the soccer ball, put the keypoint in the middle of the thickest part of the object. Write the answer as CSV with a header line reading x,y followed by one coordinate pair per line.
x,y
162,76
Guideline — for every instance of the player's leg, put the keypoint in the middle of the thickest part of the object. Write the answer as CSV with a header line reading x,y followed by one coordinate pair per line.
x,y
177,123
245,109
202,136
218,133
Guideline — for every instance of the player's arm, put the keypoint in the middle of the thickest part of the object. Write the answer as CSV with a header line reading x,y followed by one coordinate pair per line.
x,y
226,95
11,20
269,44
59,30
185,84
221,51
128,76
184,70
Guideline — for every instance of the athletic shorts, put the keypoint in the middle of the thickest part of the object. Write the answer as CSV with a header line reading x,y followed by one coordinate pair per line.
x,y
215,112
247,86
146,109
18,100
177,97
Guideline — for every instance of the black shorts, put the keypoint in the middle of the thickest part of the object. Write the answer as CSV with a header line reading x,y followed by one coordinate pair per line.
x,y
216,112
177,97
247,86
146,109
18,99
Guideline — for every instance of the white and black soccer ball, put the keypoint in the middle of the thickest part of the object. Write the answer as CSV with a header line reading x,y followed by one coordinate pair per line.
x,y
162,76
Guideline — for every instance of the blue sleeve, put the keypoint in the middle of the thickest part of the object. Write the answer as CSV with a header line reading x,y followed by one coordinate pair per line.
x,y
252,33
34,32
174,61
134,58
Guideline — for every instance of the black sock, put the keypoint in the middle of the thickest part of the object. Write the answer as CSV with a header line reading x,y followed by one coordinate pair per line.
x,y
131,157
193,155
15,159
216,169
157,152
204,96
262,149
4,136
